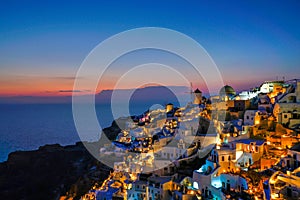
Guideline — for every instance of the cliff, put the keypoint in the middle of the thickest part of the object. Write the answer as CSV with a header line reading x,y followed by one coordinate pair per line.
x,y
49,172
53,171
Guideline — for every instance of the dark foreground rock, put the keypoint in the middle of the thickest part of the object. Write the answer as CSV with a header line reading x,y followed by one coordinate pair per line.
x,y
53,170
50,172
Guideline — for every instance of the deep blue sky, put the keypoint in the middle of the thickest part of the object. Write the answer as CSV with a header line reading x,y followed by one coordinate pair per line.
x,y
250,41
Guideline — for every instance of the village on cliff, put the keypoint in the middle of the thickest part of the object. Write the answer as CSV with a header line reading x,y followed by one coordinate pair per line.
x,y
229,146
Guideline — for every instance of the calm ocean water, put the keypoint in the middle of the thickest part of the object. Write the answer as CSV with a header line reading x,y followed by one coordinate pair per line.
x,y
28,126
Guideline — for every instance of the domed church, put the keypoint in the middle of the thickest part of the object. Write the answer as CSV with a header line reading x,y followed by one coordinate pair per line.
x,y
226,93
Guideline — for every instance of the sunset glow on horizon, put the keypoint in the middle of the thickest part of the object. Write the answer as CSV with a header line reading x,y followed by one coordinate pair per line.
x,y
250,42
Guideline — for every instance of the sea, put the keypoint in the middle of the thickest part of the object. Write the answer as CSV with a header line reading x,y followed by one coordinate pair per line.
x,y
29,126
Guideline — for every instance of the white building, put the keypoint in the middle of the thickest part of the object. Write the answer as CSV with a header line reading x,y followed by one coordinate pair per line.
x,y
211,182
159,187
249,117
246,95
138,190
287,110
248,151
292,160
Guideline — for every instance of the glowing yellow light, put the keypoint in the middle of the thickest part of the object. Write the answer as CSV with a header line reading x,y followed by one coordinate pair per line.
x,y
274,196
191,192
272,181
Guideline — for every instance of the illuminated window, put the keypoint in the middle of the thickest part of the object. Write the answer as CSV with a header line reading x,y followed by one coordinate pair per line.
x,y
195,185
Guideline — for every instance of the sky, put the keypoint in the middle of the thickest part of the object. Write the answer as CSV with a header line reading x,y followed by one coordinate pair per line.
x,y
42,44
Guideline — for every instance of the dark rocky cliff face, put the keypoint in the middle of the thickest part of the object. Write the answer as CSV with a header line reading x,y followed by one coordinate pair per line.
x,y
53,171
50,172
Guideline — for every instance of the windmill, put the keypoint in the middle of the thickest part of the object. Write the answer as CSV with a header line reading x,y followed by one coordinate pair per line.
x,y
191,92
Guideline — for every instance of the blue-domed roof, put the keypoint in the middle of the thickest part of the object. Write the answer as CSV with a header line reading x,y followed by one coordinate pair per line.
x,y
227,91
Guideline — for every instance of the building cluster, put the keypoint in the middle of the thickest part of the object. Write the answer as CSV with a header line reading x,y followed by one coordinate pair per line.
x,y
231,146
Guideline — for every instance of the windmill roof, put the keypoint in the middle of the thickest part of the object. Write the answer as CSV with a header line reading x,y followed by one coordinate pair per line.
x,y
197,91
